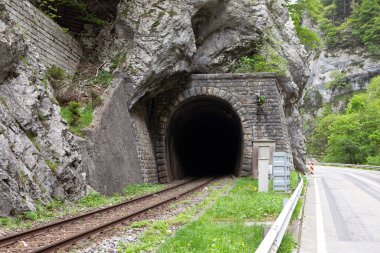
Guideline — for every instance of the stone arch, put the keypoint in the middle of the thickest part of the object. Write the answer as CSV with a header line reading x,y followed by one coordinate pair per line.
x,y
246,122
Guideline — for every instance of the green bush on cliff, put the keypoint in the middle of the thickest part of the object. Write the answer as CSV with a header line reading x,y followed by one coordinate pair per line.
x,y
352,136
308,38
77,116
272,62
338,80
345,24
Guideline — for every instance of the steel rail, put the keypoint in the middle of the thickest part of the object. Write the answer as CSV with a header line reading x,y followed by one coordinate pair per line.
x,y
71,240
4,241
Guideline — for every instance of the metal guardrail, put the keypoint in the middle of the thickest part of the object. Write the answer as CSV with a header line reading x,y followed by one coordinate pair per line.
x,y
273,239
359,166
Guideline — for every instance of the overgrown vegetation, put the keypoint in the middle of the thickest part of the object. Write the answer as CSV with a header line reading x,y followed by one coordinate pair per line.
x,y
52,165
307,37
261,60
344,23
158,231
50,8
288,244
32,137
58,208
103,78
77,116
56,77
338,80
223,227
352,136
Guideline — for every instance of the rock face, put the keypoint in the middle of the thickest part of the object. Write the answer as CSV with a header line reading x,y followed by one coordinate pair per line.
x,y
168,41
39,158
357,69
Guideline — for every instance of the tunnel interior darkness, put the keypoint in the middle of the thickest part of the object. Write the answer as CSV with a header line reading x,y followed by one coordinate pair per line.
x,y
204,138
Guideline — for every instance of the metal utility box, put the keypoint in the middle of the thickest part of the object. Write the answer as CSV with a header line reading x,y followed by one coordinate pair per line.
x,y
262,153
282,165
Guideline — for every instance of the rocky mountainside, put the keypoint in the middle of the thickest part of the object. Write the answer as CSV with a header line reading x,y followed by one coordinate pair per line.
x,y
39,158
336,75
168,41
164,43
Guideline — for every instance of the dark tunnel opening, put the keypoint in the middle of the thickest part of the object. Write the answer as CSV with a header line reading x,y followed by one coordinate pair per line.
x,y
204,138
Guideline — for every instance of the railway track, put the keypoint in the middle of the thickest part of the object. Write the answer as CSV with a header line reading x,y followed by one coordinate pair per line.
x,y
61,234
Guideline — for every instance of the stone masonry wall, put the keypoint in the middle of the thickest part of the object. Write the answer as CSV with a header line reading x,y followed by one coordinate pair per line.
x,y
144,148
128,146
54,46
266,122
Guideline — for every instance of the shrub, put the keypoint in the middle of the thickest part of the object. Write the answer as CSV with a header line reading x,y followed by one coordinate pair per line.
x,y
77,117
259,63
52,165
308,38
373,160
66,96
74,107
56,76
339,80
104,78
117,61
96,99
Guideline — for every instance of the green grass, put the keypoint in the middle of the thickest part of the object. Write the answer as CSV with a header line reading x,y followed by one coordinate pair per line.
x,y
32,138
85,118
58,208
294,181
158,231
95,199
244,202
52,165
297,209
288,244
139,189
41,214
104,78
202,237
304,185
222,228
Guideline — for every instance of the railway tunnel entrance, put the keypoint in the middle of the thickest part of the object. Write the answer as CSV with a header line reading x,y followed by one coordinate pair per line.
x,y
204,138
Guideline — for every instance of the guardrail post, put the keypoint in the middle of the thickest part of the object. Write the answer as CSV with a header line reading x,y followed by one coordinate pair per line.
x,y
272,240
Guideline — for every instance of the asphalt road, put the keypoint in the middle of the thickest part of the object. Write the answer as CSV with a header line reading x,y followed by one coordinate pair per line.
x,y
342,211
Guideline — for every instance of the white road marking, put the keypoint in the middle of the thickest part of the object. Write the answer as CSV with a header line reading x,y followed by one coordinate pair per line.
x,y
321,239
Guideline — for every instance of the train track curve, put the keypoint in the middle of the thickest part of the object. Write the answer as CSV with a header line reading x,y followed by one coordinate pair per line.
x,y
61,234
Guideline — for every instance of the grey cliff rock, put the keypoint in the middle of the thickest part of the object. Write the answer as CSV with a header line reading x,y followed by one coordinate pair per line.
x,y
167,41
358,69
39,159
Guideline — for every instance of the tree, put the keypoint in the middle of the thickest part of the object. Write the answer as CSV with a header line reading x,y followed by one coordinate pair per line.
x,y
352,137
365,22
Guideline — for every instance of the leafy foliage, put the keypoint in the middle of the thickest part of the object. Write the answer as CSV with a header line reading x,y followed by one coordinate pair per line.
x,y
272,62
50,8
353,136
77,116
365,22
345,23
56,76
307,37
338,80
104,78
